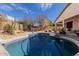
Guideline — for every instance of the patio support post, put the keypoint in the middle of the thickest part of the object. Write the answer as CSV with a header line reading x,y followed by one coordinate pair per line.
x,y
63,24
55,27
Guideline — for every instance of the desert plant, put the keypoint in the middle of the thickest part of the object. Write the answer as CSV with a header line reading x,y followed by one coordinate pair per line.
x,y
8,29
76,32
62,31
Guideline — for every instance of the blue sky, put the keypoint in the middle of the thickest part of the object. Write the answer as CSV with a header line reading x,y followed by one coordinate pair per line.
x,y
19,10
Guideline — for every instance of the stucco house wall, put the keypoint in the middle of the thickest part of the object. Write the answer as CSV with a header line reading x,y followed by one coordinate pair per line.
x,y
76,23
71,10
69,14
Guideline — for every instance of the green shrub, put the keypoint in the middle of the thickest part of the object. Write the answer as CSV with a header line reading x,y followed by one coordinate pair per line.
x,y
62,31
75,31
8,29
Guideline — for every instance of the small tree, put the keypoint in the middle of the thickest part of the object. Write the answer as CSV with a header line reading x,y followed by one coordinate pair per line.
x,y
51,24
8,29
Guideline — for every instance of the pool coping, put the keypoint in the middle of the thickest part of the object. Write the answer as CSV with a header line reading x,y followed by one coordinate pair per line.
x,y
6,42
72,40
22,38
3,42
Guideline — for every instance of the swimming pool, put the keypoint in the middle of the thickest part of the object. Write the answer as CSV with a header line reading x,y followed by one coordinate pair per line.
x,y
42,44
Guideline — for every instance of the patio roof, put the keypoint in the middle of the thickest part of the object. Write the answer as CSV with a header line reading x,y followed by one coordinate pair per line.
x,y
69,11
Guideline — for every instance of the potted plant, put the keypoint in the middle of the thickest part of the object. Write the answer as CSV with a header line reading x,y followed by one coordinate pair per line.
x,y
62,31
77,32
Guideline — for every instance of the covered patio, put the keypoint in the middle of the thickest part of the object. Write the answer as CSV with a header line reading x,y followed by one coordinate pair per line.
x,y
69,18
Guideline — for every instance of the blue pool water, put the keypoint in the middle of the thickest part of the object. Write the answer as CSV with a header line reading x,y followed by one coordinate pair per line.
x,y
42,45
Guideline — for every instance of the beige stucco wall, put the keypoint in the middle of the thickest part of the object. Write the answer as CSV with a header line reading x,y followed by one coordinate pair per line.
x,y
75,21
71,10
69,14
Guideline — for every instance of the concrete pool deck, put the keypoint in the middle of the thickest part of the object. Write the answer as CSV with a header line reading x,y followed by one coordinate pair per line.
x,y
3,52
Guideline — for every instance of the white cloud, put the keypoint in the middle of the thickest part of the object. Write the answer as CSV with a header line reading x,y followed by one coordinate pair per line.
x,y
45,6
23,9
17,7
10,17
32,12
28,12
6,7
